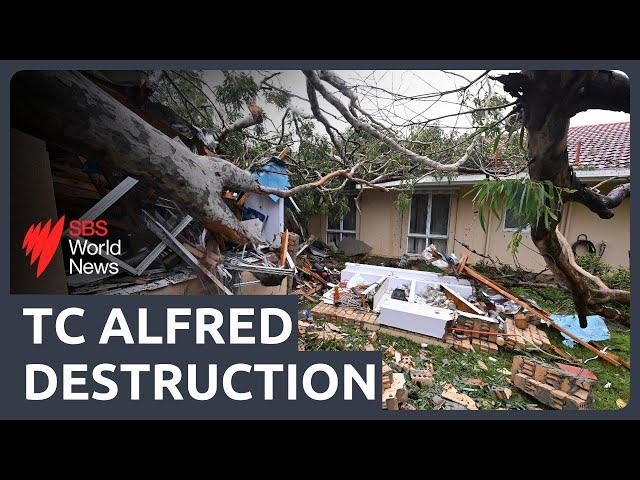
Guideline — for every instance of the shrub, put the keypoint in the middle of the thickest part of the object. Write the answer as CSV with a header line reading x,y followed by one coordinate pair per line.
x,y
614,277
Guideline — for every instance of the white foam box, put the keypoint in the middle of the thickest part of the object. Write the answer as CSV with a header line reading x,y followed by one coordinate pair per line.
x,y
414,317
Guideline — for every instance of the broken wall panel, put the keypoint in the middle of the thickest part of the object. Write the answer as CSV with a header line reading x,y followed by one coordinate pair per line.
x,y
273,223
421,319
427,279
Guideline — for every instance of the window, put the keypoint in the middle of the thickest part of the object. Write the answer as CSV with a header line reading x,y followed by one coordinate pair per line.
x,y
337,229
511,222
428,222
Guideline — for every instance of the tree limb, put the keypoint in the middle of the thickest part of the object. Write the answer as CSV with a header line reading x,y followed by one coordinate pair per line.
x,y
347,113
255,117
601,204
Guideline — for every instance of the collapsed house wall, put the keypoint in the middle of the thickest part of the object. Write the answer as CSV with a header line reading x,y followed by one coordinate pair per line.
x,y
384,228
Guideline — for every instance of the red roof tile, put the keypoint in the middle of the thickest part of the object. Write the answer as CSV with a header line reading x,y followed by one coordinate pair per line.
x,y
601,146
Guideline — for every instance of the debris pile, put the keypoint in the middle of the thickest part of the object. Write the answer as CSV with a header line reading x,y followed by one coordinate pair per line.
x,y
448,310
157,247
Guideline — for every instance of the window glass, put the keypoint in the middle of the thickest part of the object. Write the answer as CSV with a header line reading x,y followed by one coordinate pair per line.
x,y
512,221
439,243
439,214
349,220
333,223
428,222
419,208
416,245
333,237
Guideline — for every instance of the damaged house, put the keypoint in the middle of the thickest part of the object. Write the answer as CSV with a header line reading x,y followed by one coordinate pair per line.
x,y
141,229
442,213
112,192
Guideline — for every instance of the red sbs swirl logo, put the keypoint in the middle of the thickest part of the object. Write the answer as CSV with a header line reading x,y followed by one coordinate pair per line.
x,y
41,242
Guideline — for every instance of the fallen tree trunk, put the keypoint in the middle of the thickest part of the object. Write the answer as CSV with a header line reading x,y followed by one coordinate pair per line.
x,y
549,99
68,109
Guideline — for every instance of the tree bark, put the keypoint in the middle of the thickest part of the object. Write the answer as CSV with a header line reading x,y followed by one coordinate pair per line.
x,y
68,109
549,99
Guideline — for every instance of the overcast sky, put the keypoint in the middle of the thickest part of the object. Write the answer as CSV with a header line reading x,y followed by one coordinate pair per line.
x,y
409,83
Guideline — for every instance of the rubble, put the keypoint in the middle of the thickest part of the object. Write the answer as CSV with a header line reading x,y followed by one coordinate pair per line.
x,y
422,376
502,393
406,304
552,386
449,392
352,247
395,394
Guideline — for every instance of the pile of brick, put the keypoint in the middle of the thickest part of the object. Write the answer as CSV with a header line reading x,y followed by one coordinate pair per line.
x,y
552,386
460,343
394,391
482,331
523,339
345,316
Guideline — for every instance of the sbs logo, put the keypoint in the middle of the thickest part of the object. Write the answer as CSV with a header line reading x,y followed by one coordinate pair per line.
x,y
42,242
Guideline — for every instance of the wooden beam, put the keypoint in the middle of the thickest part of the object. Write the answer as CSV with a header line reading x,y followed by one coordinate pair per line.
x,y
470,272
284,246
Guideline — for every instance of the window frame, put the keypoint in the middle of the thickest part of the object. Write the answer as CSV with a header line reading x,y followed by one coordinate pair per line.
x,y
510,229
341,230
427,235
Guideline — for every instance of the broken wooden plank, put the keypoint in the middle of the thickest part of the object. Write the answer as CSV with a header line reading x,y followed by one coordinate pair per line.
x,y
284,247
538,312
460,302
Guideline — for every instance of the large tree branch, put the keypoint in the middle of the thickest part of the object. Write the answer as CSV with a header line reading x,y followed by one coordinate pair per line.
x,y
604,90
347,173
601,204
347,114
548,100
68,109
255,117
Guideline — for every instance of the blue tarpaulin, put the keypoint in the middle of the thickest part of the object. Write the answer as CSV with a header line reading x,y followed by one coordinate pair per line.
x,y
596,328
273,175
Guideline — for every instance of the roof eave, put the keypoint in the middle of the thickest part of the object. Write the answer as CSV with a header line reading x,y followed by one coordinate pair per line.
x,y
470,179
